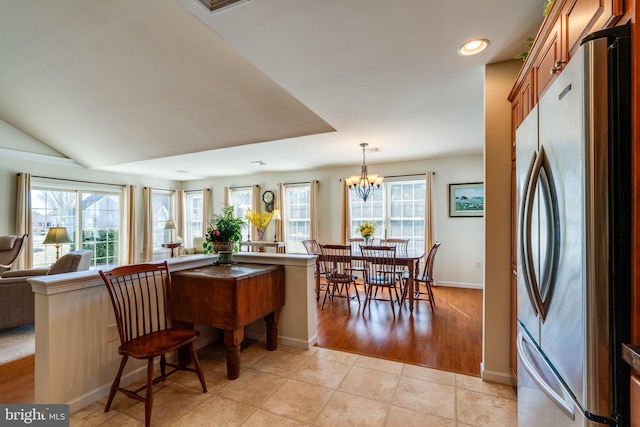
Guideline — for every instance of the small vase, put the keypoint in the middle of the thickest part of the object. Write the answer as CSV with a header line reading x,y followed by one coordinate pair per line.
x,y
261,238
367,240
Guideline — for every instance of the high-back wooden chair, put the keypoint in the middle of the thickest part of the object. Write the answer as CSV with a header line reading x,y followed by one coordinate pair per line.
x,y
425,279
338,273
313,248
380,272
140,296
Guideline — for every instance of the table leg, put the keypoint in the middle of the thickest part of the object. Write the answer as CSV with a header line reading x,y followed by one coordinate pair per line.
x,y
184,352
232,339
272,331
410,285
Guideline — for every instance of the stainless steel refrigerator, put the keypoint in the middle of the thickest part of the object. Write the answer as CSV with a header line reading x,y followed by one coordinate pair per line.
x,y
573,190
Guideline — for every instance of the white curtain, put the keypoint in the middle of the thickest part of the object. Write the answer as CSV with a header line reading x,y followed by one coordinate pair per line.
x,y
345,223
128,225
313,207
180,225
147,231
428,213
206,210
227,196
23,221
279,204
255,207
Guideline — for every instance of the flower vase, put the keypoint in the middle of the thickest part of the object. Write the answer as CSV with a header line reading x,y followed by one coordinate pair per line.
x,y
224,251
367,240
261,238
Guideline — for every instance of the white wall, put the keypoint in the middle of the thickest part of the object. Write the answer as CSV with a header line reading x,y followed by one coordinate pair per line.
x,y
496,340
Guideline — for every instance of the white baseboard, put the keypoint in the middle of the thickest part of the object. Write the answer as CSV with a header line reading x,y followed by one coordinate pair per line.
x,y
460,285
495,376
292,342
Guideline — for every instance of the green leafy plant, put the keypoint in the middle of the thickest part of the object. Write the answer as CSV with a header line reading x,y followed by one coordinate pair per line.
x,y
223,228
530,40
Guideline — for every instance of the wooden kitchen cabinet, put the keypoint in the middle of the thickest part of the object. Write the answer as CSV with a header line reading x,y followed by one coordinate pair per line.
x,y
550,60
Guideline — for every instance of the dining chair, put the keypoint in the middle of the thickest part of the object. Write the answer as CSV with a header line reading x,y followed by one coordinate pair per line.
x,y
338,273
380,272
140,296
313,248
402,248
425,278
357,264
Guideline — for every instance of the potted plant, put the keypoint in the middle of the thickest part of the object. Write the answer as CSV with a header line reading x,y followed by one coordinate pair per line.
x,y
223,235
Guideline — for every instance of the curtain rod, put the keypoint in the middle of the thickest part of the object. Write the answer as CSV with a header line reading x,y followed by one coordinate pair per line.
x,y
73,180
296,183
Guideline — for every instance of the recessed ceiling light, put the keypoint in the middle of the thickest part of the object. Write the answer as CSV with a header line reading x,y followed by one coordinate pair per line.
x,y
473,46
258,163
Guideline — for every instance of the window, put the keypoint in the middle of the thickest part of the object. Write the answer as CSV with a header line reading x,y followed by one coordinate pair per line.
x,y
161,212
397,210
91,216
241,201
193,216
297,215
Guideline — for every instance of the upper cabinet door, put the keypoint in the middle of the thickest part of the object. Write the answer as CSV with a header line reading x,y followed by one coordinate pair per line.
x,y
551,58
582,17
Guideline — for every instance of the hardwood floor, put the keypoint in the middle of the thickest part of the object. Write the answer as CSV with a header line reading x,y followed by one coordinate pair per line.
x,y
449,339
17,381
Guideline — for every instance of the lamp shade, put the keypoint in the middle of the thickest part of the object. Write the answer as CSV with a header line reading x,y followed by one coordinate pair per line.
x,y
170,225
56,235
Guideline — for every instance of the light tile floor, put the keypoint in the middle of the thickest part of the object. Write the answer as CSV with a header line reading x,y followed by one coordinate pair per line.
x,y
317,387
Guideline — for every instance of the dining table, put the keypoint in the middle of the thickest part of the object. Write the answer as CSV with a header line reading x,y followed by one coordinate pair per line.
x,y
410,259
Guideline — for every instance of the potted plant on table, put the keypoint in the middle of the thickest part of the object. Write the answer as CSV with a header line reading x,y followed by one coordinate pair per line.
x,y
223,235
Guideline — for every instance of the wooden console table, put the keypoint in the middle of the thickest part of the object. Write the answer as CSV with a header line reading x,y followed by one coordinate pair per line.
x,y
281,247
229,297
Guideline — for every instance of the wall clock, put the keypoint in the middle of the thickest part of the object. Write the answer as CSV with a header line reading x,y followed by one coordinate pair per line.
x,y
267,198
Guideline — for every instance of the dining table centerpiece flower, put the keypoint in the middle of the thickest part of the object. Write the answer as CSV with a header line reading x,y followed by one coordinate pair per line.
x,y
366,230
224,232
260,221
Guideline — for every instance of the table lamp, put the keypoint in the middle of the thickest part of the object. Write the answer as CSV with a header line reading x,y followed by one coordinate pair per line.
x,y
170,225
57,236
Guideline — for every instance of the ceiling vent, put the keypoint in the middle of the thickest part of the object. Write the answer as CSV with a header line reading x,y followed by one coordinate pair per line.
x,y
215,6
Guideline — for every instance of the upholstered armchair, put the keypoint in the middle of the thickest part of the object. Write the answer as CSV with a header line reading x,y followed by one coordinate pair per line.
x,y
9,249
17,302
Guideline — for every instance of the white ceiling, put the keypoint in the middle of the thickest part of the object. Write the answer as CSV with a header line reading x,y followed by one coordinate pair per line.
x,y
165,88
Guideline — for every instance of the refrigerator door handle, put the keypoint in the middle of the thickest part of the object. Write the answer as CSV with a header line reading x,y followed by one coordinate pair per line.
x,y
525,235
564,405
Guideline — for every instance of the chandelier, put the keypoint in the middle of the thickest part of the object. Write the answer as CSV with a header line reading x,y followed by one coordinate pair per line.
x,y
364,184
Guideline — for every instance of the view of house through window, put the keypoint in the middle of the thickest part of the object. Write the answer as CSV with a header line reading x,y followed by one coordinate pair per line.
x,y
297,216
162,211
241,202
396,209
193,216
91,218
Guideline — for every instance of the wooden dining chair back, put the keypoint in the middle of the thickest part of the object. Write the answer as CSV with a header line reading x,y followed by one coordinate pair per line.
x,y
313,248
423,282
338,273
380,272
140,297
357,264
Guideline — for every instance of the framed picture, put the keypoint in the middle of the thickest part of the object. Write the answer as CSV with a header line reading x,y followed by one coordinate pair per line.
x,y
466,199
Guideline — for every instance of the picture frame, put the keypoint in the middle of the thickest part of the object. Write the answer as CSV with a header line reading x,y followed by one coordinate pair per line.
x,y
466,200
